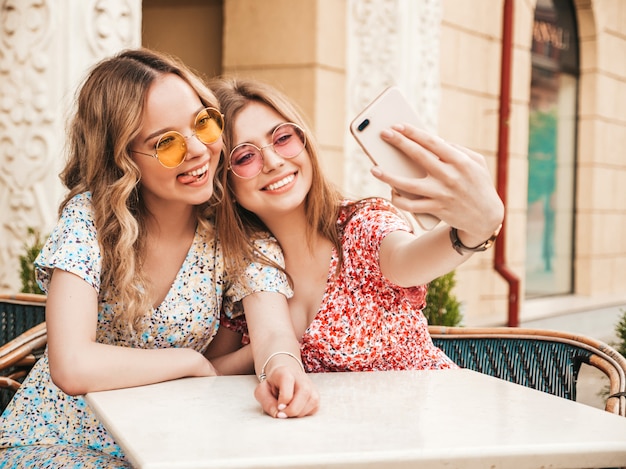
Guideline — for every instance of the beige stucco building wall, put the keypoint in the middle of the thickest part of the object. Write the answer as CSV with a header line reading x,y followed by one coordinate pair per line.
x,y
332,56
470,64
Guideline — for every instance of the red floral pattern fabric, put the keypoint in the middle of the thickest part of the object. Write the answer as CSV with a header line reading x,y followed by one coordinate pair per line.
x,y
366,322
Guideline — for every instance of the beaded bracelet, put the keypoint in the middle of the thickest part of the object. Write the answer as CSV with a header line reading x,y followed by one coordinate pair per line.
x,y
263,376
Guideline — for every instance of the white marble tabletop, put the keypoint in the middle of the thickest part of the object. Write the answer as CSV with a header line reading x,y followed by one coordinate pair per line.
x,y
435,419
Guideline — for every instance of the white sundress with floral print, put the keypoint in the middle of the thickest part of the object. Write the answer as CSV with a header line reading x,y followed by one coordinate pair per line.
x,y
44,427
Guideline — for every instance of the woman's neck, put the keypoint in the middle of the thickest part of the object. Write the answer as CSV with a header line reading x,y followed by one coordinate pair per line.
x,y
172,223
307,253
291,231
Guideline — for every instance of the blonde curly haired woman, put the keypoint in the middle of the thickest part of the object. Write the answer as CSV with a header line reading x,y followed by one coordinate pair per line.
x,y
133,270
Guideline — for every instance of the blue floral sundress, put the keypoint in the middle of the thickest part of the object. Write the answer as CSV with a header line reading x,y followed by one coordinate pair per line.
x,y
43,427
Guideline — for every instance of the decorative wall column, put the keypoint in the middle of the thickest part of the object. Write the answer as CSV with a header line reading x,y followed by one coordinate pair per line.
x,y
46,48
390,42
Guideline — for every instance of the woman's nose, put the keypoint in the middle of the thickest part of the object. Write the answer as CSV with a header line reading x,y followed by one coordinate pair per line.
x,y
195,147
271,159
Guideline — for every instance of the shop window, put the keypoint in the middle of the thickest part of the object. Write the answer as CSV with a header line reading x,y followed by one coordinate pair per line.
x,y
552,150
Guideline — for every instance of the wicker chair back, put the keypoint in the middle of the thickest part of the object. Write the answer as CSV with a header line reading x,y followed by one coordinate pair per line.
x,y
548,361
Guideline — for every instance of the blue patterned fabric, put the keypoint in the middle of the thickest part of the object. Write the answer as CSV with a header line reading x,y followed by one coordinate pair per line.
x,y
46,427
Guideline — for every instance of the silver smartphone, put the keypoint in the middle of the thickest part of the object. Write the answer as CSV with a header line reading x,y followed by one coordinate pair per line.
x,y
390,107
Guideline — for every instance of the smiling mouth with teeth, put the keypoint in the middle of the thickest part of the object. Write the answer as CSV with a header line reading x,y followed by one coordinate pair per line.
x,y
198,173
193,176
283,182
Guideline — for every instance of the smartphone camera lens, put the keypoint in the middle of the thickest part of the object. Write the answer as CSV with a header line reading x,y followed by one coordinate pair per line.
x,y
363,125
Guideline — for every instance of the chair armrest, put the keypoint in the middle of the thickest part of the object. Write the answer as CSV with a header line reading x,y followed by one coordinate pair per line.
x,y
25,297
8,383
20,350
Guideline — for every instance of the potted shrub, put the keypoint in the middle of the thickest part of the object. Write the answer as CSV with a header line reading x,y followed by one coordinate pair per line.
x,y
442,307
32,246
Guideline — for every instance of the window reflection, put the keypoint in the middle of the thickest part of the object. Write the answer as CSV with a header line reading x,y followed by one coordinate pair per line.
x,y
552,150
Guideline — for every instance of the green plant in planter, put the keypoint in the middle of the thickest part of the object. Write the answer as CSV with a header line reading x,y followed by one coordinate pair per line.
x,y
442,307
620,330
620,346
32,246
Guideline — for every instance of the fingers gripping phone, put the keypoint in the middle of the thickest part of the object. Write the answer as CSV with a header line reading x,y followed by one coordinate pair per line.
x,y
390,107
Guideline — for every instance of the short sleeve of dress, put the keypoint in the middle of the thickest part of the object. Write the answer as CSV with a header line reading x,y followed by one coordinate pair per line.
x,y
367,226
364,230
72,246
258,277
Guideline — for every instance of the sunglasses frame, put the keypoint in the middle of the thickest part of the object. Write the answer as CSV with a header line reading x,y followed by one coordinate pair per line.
x,y
212,115
230,156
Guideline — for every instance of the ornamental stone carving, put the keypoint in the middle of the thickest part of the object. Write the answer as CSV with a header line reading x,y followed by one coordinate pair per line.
x,y
390,42
46,48
26,131
113,25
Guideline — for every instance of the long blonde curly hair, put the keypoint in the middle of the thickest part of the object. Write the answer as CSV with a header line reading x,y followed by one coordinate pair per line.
x,y
107,117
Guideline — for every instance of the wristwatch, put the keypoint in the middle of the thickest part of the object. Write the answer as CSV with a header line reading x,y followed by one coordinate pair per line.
x,y
462,248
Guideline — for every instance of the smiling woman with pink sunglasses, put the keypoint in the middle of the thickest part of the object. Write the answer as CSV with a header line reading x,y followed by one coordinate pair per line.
x,y
133,270
359,273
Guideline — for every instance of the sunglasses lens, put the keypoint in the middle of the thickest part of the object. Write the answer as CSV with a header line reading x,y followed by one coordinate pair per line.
x,y
171,149
288,140
246,161
209,125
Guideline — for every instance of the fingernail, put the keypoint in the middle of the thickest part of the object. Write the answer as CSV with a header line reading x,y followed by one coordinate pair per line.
x,y
281,415
282,406
376,171
386,133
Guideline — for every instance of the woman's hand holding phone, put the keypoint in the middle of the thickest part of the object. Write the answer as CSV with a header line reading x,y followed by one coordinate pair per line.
x,y
457,187
387,109
431,178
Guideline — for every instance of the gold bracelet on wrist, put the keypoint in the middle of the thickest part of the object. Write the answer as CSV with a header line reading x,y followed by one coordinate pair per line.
x,y
263,376
462,248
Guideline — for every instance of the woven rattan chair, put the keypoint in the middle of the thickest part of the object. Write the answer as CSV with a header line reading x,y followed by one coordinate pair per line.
x,y
22,339
19,312
545,360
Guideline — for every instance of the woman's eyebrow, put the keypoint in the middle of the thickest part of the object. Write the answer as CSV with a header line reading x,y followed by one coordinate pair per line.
x,y
160,132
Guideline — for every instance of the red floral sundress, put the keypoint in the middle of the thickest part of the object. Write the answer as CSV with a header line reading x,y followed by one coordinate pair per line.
x,y
365,322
